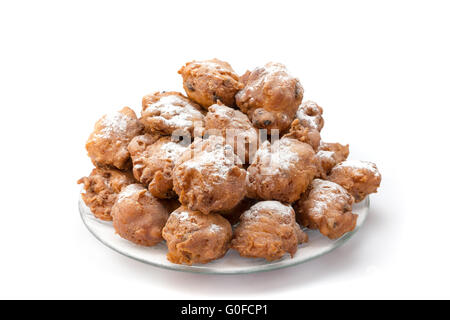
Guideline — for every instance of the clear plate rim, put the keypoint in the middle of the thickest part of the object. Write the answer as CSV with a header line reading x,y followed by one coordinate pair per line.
x,y
276,265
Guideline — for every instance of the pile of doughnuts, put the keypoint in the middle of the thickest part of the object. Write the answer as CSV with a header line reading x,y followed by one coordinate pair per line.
x,y
236,163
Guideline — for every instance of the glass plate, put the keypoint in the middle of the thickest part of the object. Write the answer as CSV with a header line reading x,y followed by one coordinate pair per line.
x,y
231,263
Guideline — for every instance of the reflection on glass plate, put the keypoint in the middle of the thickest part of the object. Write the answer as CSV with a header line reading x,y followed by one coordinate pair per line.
x,y
232,263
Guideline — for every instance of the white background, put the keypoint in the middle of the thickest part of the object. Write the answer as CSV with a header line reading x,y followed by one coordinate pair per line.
x,y
380,69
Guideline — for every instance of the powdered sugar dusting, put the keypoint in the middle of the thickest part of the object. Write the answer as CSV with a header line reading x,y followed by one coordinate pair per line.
x,y
113,123
325,192
357,164
219,160
174,111
222,111
319,207
181,215
312,121
215,228
270,70
325,154
279,155
209,65
129,191
172,150
286,157
325,184
275,207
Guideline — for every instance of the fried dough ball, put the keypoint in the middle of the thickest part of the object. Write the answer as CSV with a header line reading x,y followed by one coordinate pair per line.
x,y
235,127
360,178
270,97
101,190
138,216
328,207
153,162
209,81
310,115
193,237
281,171
268,230
107,144
329,155
209,177
304,134
170,113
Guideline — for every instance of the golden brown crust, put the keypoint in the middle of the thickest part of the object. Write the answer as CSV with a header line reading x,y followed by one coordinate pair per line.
x,y
107,144
235,127
193,237
270,96
328,207
153,162
329,155
268,230
360,178
304,134
101,190
309,115
209,81
281,171
168,113
138,216
208,177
